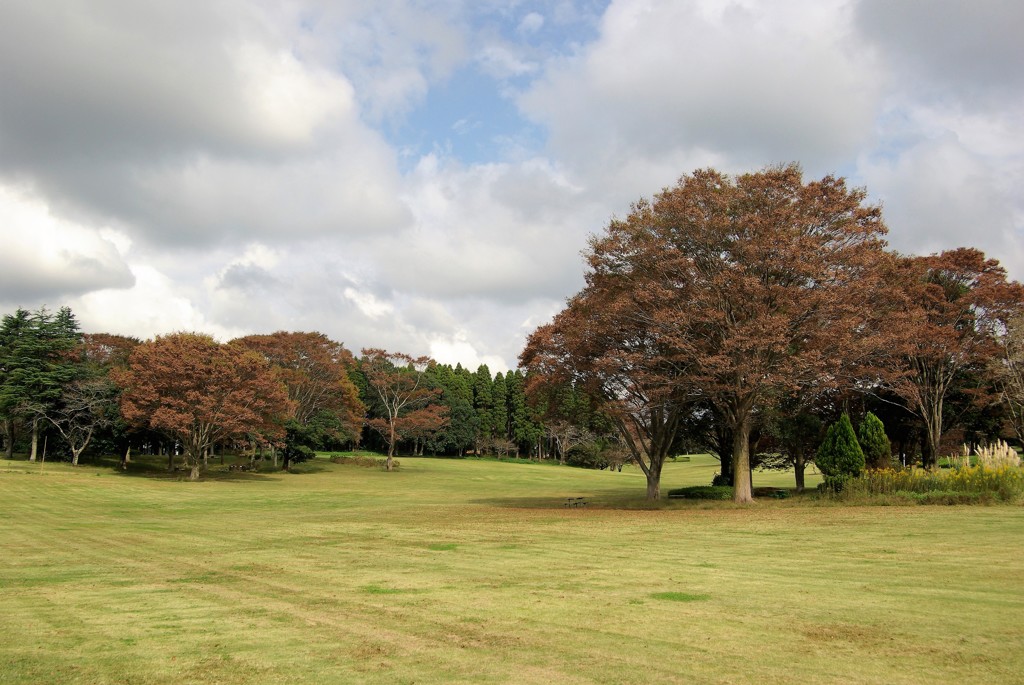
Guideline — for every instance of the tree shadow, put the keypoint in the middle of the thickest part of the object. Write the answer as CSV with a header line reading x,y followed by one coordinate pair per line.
x,y
577,502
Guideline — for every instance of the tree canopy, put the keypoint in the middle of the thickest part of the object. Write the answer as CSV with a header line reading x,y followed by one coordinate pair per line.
x,y
732,290
198,391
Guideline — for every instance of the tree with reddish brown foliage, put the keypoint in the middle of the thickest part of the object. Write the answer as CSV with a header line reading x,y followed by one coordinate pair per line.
x,y
315,370
729,290
958,305
200,392
107,350
408,405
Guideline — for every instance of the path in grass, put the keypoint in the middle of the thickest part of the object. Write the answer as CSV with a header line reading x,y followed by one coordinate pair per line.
x,y
473,571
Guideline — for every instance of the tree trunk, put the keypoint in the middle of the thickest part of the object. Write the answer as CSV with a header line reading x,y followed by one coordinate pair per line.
x,y
35,439
798,467
126,458
194,474
389,464
654,481
170,460
741,487
9,438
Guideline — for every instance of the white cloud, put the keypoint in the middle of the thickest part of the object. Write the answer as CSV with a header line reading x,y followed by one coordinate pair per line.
x,y
368,304
531,23
669,86
458,350
45,256
154,306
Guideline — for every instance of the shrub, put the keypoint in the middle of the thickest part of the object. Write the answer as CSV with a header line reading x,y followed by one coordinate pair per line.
x,y
365,462
840,456
702,492
588,455
967,485
874,442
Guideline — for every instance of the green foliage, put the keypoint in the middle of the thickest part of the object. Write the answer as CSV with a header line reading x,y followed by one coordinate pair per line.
x,y
715,492
840,456
35,360
874,442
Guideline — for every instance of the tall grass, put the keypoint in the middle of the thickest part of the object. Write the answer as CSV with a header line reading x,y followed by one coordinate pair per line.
x,y
992,474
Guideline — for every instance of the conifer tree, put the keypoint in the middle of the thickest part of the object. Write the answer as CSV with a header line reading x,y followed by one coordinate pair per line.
x,y
874,442
840,456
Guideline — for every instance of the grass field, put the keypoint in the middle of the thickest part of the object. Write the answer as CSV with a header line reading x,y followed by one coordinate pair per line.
x,y
451,571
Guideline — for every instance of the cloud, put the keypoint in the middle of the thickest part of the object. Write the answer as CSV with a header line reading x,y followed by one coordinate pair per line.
x,y
187,125
45,257
531,23
155,305
746,83
941,47
941,194
498,231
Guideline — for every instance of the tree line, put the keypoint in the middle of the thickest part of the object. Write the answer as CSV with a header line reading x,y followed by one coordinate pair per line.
x,y
283,396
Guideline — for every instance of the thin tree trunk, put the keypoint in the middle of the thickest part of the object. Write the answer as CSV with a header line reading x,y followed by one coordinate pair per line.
x,y
35,439
9,437
389,464
126,458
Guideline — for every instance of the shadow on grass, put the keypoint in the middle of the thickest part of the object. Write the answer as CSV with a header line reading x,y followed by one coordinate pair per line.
x,y
575,502
155,468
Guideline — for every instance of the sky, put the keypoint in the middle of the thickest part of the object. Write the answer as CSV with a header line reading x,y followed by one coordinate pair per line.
x,y
423,175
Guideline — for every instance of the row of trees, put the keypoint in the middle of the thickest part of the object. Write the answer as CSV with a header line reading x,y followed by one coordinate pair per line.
x,y
734,311
285,393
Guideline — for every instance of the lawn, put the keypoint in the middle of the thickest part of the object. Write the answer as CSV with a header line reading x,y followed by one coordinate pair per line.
x,y
473,571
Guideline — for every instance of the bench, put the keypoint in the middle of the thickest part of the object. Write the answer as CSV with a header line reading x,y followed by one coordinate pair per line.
x,y
576,501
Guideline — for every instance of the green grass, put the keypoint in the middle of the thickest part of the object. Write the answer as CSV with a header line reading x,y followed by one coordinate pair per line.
x,y
474,571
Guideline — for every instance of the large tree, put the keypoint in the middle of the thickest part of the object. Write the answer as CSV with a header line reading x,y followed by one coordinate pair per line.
x,y
958,304
200,392
35,365
730,290
315,369
406,401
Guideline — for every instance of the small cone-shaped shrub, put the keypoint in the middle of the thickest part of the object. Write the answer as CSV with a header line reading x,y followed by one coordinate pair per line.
x,y
840,456
874,442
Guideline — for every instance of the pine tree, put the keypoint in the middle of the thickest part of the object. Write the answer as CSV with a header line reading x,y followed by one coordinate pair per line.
x,y
37,365
840,456
874,442
483,403
499,408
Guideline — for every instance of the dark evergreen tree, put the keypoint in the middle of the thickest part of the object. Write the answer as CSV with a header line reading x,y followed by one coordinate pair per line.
x,y
36,362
